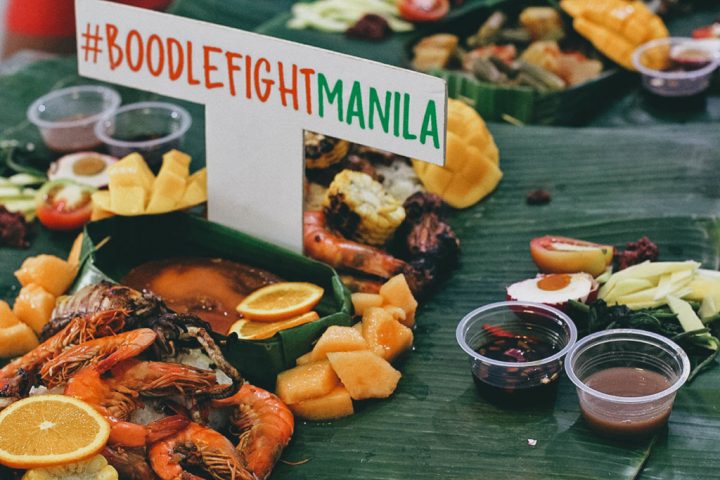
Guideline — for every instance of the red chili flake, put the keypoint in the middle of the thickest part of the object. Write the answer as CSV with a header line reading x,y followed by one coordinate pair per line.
x,y
636,252
497,331
369,27
538,197
14,230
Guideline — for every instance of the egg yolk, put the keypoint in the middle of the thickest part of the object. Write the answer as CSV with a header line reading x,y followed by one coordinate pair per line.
x,y
554,282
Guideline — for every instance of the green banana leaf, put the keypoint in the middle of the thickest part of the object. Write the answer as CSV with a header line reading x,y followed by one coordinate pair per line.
x,y
112,247
242,14
609,186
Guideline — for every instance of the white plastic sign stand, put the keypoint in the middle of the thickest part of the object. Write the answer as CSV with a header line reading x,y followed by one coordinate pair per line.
x,y
260,94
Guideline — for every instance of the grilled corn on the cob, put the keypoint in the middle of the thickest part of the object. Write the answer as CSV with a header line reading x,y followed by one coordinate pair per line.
x,y
361,209
96,468
322,151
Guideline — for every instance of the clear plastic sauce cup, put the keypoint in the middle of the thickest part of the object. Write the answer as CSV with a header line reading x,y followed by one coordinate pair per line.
x,y
149,128
626,381
67,118
534,337
676,66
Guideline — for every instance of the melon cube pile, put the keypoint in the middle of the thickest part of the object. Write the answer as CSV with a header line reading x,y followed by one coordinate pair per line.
x,y
353,363
134,190
43,278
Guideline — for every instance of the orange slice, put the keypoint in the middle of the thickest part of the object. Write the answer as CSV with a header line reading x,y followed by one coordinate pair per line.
x,y
280,301
249,330
49,430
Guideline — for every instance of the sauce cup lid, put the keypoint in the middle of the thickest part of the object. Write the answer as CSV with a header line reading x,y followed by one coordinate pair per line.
x,y
629,335
524,308
111,96
182,115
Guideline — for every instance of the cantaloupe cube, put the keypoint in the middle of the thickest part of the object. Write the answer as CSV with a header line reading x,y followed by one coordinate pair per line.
x,y
101,199
397,292
362,301
306,381
74,255
364,374
99,213
34,306
199,178
50,272
160,204
338,339
386,336
396,313
178,162
7,317
131,171
336,404
16,340
358,326
303,359
169,184
128,200
195,193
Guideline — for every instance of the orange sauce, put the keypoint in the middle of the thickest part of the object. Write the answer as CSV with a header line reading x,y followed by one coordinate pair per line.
x,y
554,281
210,288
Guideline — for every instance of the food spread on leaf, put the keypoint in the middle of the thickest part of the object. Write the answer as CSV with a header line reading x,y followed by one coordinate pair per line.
x,y
353,363
134,190
532,51
602,287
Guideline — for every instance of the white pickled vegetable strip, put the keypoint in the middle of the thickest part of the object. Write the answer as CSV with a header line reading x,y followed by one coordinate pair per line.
x,y
686,315
708,308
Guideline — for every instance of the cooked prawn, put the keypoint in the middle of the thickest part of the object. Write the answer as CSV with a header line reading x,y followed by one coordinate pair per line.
x,y
326,246
265,426
197,448
103,352
115,394
17,376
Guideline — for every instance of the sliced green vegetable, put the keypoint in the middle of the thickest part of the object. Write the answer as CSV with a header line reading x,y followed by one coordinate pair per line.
x,y
685,314
25,179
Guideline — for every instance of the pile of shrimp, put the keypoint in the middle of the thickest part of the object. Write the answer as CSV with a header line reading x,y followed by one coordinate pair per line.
x,y
96,358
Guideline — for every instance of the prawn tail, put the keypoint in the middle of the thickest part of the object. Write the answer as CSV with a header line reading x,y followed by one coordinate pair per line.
x,y
165,427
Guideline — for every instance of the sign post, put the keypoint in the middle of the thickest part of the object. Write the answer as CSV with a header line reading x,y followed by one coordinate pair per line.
x,y
260,94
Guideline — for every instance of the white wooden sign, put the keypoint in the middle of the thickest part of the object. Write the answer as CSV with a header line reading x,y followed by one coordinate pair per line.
x,y
260,94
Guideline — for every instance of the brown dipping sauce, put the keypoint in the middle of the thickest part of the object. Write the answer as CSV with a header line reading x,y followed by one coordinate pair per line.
x,y
210,288
626,420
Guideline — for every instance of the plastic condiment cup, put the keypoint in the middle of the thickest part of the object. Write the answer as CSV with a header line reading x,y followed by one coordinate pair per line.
x,y
631,353
517,383
67,118
648,58
149,128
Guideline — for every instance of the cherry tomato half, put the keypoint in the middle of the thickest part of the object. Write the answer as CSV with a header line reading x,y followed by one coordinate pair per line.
x,y
568,255
423,10
64,205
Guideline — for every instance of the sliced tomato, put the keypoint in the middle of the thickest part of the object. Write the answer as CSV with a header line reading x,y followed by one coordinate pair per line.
x,y
423,10
705,32
64,205
568,255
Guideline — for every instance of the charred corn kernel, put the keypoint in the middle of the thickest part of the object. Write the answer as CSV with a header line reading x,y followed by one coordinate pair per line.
x,y
322,151
616,27
361,209
96,468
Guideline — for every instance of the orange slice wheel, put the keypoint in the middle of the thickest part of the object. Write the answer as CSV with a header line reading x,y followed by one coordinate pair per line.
x,y
250,330
280,301
50,430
